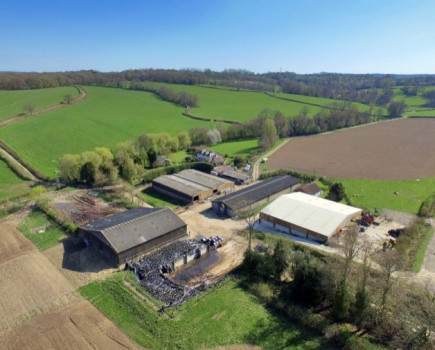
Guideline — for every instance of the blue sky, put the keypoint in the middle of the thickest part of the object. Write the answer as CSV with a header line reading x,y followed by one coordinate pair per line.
x,y
304,36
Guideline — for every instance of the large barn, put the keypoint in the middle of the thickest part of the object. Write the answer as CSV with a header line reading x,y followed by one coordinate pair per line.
x,y
255,195
124,236
191,185
307,216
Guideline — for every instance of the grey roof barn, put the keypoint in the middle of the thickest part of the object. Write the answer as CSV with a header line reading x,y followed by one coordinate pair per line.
x,y
132,233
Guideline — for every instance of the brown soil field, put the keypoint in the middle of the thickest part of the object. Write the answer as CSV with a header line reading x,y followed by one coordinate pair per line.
x,y
12,243
27,283
393,150
79,325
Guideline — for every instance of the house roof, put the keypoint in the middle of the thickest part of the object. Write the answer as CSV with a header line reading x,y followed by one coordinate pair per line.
x,y
311,188
312,213
131,228
257,192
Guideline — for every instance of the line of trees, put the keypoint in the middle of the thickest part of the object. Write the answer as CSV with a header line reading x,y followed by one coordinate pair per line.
x,y
366,88
181,98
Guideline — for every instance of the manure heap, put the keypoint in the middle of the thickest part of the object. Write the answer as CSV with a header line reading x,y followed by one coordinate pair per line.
x,y
150,271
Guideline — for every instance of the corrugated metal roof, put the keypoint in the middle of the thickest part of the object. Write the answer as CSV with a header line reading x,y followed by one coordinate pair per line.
x,y
312,213
258,191
181,185
202,179
129,229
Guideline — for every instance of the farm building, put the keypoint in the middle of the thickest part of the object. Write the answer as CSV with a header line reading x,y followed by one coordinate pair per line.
x,y
191,185
311,189
307,216
127,235
255,195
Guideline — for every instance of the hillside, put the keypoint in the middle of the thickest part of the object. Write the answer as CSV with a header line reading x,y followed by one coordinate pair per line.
x,y
12,102
105,118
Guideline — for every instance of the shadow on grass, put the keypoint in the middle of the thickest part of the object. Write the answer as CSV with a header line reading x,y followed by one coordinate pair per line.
x,y
157,199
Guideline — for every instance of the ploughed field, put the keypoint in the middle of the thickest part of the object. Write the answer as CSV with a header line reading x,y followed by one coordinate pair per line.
x,y
394,150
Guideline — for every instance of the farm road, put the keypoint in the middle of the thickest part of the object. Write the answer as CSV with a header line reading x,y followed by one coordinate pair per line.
x,y
256,167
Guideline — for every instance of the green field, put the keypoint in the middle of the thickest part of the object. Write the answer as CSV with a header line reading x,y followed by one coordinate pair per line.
x,y
11,185
416,104
245,105
222,316
308,100
106,117
178,157
379,194
52,235
241,148
12,102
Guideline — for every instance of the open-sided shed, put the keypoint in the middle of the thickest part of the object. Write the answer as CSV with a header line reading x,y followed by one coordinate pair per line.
x,y
124,236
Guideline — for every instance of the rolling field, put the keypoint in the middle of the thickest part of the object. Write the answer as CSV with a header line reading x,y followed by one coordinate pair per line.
x,y
416,104
12,102
244,105
393,150
222,316
10,184
106,117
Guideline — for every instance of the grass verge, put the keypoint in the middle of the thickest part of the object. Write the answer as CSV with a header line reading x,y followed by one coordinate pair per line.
x,y
156,199
51,236
421,252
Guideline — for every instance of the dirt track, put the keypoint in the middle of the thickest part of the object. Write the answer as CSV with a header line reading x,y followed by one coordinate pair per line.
x,y
77,326
394,150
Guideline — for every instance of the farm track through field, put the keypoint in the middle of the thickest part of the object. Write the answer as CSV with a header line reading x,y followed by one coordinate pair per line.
x,y
14,119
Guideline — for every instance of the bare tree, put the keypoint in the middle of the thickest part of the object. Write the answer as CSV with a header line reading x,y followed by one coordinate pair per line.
x,y
389,262
249,214
29,108
366,252
68,99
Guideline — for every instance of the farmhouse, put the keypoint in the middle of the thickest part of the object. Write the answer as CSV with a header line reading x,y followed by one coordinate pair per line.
x,y
307,216
255,195
127,235
191,185
211,157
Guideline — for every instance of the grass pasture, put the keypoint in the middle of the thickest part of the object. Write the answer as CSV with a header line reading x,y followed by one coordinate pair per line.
x,y
238,105
236,148
379,194
222,316
108,116
11,185
416,104
52,235
12,102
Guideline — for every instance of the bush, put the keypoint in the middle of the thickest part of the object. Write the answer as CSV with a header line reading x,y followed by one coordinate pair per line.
x,y
427,208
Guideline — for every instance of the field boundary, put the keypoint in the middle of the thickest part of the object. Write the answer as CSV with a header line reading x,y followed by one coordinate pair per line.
x,y
211,119
28,168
